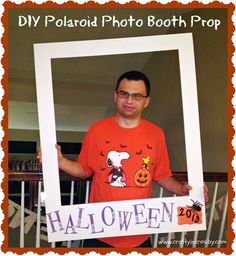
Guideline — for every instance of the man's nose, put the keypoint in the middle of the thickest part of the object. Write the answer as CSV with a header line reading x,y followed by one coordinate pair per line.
x,y
130,98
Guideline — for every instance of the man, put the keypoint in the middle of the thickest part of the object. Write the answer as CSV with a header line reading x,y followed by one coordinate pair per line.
x,y
124,154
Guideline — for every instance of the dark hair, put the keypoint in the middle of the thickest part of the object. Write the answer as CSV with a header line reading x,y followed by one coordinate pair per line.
x,y
136,76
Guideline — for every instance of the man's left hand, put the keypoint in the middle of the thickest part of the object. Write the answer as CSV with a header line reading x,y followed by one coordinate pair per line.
x,y
186,188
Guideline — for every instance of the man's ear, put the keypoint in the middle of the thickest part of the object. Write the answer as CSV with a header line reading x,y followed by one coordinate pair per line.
x,y
115,96
147,101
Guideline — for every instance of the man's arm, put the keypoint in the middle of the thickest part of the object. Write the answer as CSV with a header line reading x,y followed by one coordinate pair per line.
x,y
172,185
71,167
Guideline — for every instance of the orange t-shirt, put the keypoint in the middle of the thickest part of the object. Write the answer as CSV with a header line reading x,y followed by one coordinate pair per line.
x,y
123,163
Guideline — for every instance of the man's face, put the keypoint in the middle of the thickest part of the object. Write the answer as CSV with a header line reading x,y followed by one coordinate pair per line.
x,y
129,106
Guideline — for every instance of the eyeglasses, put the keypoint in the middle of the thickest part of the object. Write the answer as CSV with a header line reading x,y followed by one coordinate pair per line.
x,y
134,96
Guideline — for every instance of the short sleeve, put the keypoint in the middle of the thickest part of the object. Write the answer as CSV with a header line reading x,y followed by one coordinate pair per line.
x,y
85,153
162,169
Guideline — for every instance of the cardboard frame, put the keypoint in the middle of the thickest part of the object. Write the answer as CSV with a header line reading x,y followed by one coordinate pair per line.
x,y
156,215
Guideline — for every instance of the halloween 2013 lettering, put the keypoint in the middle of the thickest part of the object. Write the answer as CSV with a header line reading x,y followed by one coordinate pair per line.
x,y
98,221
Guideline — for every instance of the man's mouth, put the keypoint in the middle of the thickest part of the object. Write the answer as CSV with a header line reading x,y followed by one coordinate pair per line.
x,y
128,107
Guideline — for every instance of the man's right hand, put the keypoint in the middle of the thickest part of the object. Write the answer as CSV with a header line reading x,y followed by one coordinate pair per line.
x,y
59,153
39,154
73,168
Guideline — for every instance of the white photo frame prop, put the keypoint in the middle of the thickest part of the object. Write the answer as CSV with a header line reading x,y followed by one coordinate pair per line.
x,y
131,217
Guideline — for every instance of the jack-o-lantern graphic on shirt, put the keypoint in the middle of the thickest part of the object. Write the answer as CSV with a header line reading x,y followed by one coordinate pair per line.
x,y
143,177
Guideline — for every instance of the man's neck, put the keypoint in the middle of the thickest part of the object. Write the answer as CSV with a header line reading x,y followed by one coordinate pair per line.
x,y
127,122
